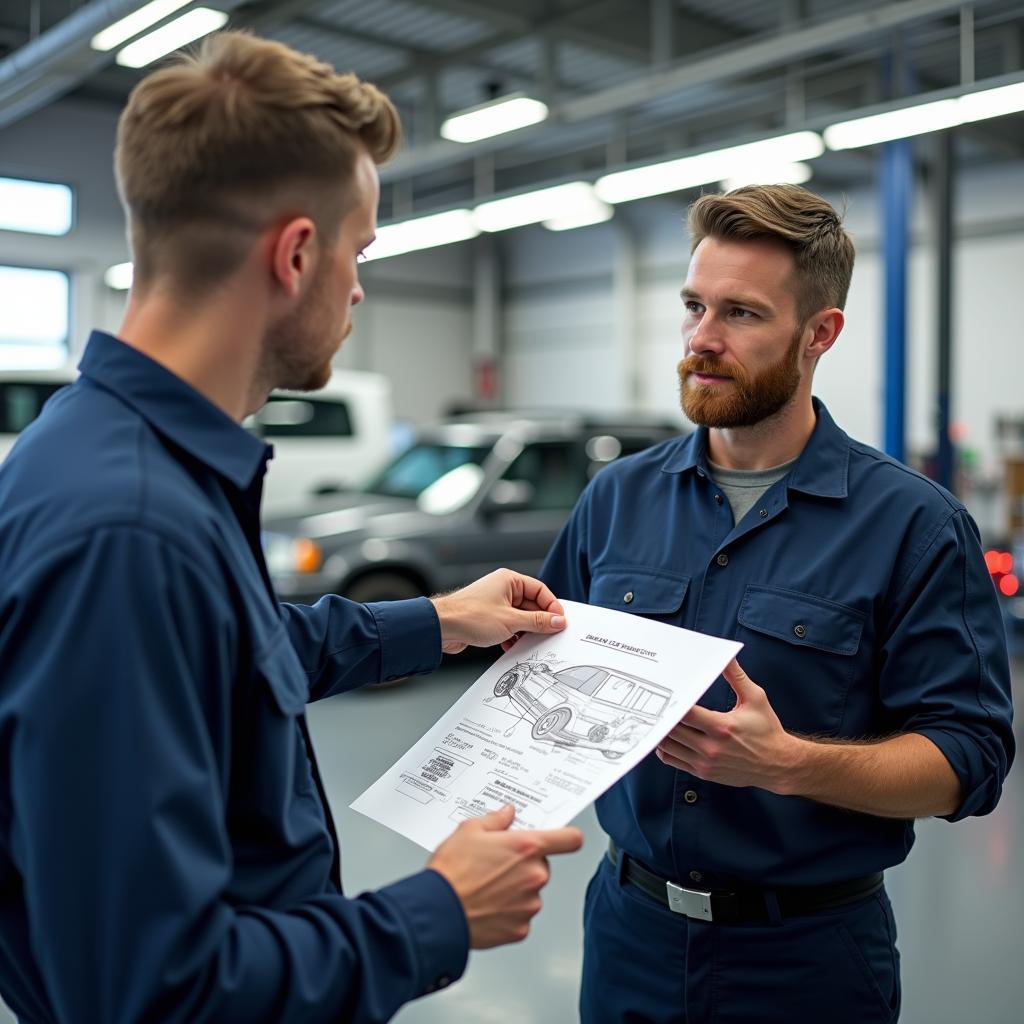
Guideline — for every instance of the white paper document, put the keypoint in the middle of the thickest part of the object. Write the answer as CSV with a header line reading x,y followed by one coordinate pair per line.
x,y
550,725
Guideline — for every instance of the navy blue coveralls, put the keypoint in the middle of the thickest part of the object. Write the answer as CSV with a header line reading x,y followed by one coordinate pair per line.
x,y
860,593
166,851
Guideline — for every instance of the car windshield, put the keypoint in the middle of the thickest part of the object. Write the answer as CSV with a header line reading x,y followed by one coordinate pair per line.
x,y
422,465
584,678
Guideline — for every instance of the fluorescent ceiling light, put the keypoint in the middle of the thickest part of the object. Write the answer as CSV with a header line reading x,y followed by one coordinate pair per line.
x,y
770,174
118,277
172,36
422,233
1005,99
533,207
136,22
493,118
594,212
894,124
38,207
704,168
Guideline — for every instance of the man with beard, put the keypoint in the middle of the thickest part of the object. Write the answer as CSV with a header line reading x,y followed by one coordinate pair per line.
x,y
743,880
167,849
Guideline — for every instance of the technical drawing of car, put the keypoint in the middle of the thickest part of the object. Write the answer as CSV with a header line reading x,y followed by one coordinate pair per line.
x,y
584,705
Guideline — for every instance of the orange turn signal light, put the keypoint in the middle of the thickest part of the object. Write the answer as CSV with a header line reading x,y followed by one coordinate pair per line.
x,y
308,556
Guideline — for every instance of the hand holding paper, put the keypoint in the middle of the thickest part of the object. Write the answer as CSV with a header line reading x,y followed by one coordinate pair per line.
x,y
550,726
498,874
746,746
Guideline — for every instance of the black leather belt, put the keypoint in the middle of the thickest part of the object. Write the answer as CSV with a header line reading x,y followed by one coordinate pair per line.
x,y
744,905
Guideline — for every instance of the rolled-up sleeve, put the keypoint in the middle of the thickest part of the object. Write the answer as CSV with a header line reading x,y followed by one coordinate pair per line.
x,y
944,669
117,659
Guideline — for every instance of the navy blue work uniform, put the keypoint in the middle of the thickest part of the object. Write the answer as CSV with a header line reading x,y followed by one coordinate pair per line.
x,y
166,851
860,593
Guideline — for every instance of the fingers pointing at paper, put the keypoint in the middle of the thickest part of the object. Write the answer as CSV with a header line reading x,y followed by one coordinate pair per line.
x,y
746,746
498,873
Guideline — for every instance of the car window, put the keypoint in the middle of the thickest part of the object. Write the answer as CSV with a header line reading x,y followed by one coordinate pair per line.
x,y
616,690
302,417
21,403
649,702
554,471
422,465
584,678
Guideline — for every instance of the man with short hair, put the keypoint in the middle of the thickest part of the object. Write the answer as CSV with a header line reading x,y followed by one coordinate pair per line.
x,y
744,876
166,848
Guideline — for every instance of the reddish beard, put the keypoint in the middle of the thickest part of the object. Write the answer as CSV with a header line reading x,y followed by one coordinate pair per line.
x,y
748,400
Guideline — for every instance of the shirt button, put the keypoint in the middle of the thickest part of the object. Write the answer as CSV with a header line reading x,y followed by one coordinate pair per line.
x,y
718,499
763,513
696,876
444,981
690,796
722,559
800,631
628,597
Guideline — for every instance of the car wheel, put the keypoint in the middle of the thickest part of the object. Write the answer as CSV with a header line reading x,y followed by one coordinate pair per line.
x,y
504,685
612,755
551,721
383,586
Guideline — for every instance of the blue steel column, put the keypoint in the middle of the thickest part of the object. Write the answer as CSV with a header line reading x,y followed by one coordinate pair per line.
x,y
943,213
896,179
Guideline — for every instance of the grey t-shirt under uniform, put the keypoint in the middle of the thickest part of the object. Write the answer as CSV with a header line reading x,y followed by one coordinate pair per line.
x,y
744,487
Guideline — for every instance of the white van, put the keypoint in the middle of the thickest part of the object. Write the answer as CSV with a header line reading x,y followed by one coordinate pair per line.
x,y
22,395
324,441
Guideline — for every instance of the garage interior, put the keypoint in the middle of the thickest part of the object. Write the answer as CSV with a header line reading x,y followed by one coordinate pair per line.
x,y
584,318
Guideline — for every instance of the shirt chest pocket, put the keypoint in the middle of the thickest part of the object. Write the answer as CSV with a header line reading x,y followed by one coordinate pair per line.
x,y
653,593
274,763
803,650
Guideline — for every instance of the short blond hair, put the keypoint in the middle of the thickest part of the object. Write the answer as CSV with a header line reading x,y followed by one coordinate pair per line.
x,y
805,223
210,146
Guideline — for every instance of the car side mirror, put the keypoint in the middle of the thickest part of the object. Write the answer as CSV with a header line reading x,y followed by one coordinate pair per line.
x,y
508,496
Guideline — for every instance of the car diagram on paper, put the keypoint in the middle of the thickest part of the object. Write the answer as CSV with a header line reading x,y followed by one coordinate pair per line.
x,y
550,726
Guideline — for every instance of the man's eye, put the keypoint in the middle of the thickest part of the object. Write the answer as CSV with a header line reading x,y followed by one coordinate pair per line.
x,y
693,307
743,313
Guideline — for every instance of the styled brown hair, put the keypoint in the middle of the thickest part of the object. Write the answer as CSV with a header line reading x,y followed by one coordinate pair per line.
x,y
215,145
807,225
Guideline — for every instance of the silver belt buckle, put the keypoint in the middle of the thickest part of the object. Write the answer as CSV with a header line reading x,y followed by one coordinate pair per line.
x,y
691,902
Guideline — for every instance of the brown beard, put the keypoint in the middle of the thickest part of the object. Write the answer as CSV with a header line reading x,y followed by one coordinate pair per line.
x,y
750,401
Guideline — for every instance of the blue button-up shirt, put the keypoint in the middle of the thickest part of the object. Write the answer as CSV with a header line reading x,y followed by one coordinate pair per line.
x,y
860,593
165,849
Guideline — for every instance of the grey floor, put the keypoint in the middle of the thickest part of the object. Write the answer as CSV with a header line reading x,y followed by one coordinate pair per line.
x,y
959,900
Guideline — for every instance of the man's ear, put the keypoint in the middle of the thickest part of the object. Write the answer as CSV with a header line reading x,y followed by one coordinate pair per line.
x,y
825,328
293,254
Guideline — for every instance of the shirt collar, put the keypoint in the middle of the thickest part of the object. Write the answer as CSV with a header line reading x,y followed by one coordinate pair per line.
x,y
821,469
174,408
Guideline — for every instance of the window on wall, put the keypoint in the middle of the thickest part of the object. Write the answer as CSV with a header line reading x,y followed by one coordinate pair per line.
x,y
37,207
34,315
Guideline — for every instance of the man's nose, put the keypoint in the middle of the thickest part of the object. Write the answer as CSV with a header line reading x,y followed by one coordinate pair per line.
x,y
704,337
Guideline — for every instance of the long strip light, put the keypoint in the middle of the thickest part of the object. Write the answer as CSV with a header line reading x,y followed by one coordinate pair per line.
x,y
196,23
533,207
769,174
422,233
704,168
38,207
134,23
493,118
933,116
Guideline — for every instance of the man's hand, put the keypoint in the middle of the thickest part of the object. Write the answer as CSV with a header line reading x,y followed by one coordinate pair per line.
x,y
498,874
495,608
746,746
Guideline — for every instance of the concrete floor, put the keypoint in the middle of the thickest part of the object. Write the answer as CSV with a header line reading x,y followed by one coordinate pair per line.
x,y
959,901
